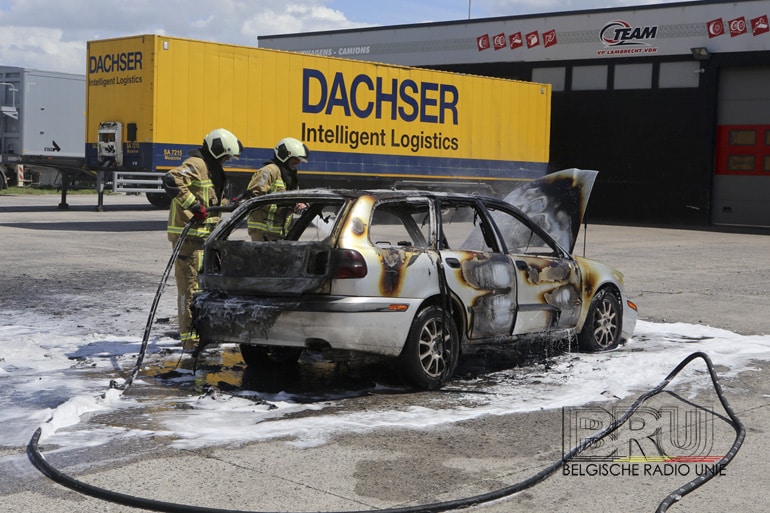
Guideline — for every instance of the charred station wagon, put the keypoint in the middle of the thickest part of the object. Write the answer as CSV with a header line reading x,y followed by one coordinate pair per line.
x,y
410,274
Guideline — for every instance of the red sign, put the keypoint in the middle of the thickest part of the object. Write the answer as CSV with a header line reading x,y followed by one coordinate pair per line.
x,y
760,25
549,38
533,39
715,28
515,40
737,26
499,41
482,42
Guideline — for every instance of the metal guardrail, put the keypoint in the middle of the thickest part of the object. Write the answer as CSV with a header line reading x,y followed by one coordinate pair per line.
x,y
137,181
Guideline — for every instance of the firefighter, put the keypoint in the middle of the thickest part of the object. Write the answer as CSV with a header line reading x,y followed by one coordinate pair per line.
x,y
279,174
195,186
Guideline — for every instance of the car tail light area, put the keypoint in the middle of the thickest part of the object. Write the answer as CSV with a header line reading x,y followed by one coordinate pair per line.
x,y
348,263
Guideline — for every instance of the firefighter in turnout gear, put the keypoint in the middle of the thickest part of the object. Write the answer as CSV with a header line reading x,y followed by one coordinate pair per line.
x,y
278,174
195,186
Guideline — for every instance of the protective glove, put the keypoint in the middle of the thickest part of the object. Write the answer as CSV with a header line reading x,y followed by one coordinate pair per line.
x,y
242,197
199,212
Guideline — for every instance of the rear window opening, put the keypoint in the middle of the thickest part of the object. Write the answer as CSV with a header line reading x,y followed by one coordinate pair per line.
x,y
315,223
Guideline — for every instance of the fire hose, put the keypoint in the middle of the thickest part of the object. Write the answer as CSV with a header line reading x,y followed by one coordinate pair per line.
x,y
44,467
154,307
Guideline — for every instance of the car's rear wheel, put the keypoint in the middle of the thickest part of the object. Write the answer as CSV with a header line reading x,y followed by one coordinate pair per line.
x,y
259,355
432,348
602,328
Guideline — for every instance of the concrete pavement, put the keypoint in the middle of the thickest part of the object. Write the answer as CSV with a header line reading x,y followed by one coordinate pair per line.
x,y
708,277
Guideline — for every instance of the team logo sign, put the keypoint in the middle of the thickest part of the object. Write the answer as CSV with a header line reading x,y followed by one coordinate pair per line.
x,y
621,33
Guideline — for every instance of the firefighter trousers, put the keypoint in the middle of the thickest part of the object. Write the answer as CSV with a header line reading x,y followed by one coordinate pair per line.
x,y
186,268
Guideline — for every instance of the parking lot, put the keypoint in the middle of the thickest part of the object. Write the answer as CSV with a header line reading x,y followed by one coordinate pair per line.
x,y
99,271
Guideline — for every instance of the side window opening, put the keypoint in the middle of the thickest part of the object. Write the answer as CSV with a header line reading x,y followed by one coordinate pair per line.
x,y
398,223
520,238
464,229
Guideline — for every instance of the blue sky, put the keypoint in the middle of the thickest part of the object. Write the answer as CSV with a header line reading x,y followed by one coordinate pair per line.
x,y
51,35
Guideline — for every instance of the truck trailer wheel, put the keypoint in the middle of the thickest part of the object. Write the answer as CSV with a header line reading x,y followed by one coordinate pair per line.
x,y
159,199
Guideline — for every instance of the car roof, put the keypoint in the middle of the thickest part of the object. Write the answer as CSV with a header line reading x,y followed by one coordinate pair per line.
x,y
556,202
384,193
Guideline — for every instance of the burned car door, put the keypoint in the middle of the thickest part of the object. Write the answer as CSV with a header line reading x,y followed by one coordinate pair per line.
x,y
548,279
400,234
476,270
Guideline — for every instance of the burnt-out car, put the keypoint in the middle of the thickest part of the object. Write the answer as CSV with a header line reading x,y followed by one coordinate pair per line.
x,y
413,274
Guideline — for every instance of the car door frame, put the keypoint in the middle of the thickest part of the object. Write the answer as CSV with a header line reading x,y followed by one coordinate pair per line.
x,y
548,286
483,282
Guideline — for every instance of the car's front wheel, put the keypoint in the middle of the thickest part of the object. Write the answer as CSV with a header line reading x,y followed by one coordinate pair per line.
x,y
432,349
602,328
260,355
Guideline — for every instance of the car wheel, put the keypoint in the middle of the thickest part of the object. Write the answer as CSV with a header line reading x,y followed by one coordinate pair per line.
x,y
259,355
602,327
431,350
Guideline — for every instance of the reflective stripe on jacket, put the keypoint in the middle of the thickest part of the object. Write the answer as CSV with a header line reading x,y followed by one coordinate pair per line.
x,y
190,183
269,219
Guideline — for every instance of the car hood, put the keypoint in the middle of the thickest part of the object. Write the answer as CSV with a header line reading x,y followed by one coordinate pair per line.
x,y
556,202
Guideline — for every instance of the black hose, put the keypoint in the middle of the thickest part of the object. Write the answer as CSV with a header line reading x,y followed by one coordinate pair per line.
x,y
153,309
42,465
740,435
156,300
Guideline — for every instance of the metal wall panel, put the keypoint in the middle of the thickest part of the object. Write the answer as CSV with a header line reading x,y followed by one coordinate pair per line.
x,y
742,198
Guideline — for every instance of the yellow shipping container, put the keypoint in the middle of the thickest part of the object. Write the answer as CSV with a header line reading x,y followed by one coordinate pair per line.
x,y
366,124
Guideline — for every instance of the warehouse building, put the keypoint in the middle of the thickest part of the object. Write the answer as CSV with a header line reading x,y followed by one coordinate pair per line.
x,y
670,103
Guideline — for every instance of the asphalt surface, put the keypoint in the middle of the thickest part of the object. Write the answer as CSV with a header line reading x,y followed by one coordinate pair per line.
x,y
713,277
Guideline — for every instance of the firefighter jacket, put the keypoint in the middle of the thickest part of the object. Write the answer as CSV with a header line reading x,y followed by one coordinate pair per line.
x,y
271,221
188,184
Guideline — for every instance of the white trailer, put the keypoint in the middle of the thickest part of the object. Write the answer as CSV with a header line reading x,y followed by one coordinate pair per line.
x,y
42,124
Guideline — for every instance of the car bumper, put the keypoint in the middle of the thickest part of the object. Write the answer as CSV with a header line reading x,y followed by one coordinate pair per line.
x,y
630,316
370,324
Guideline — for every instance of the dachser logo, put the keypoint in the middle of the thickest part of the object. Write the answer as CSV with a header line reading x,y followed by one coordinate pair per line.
x,y
114,62
621,33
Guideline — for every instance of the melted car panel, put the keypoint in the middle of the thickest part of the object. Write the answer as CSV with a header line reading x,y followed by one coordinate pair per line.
x,y
556,202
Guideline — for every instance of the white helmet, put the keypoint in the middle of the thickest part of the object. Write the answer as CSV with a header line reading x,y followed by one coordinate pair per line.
x,y
221,142
290,147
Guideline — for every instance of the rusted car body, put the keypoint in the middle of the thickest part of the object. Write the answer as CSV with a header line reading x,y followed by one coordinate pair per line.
x,y
410,274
